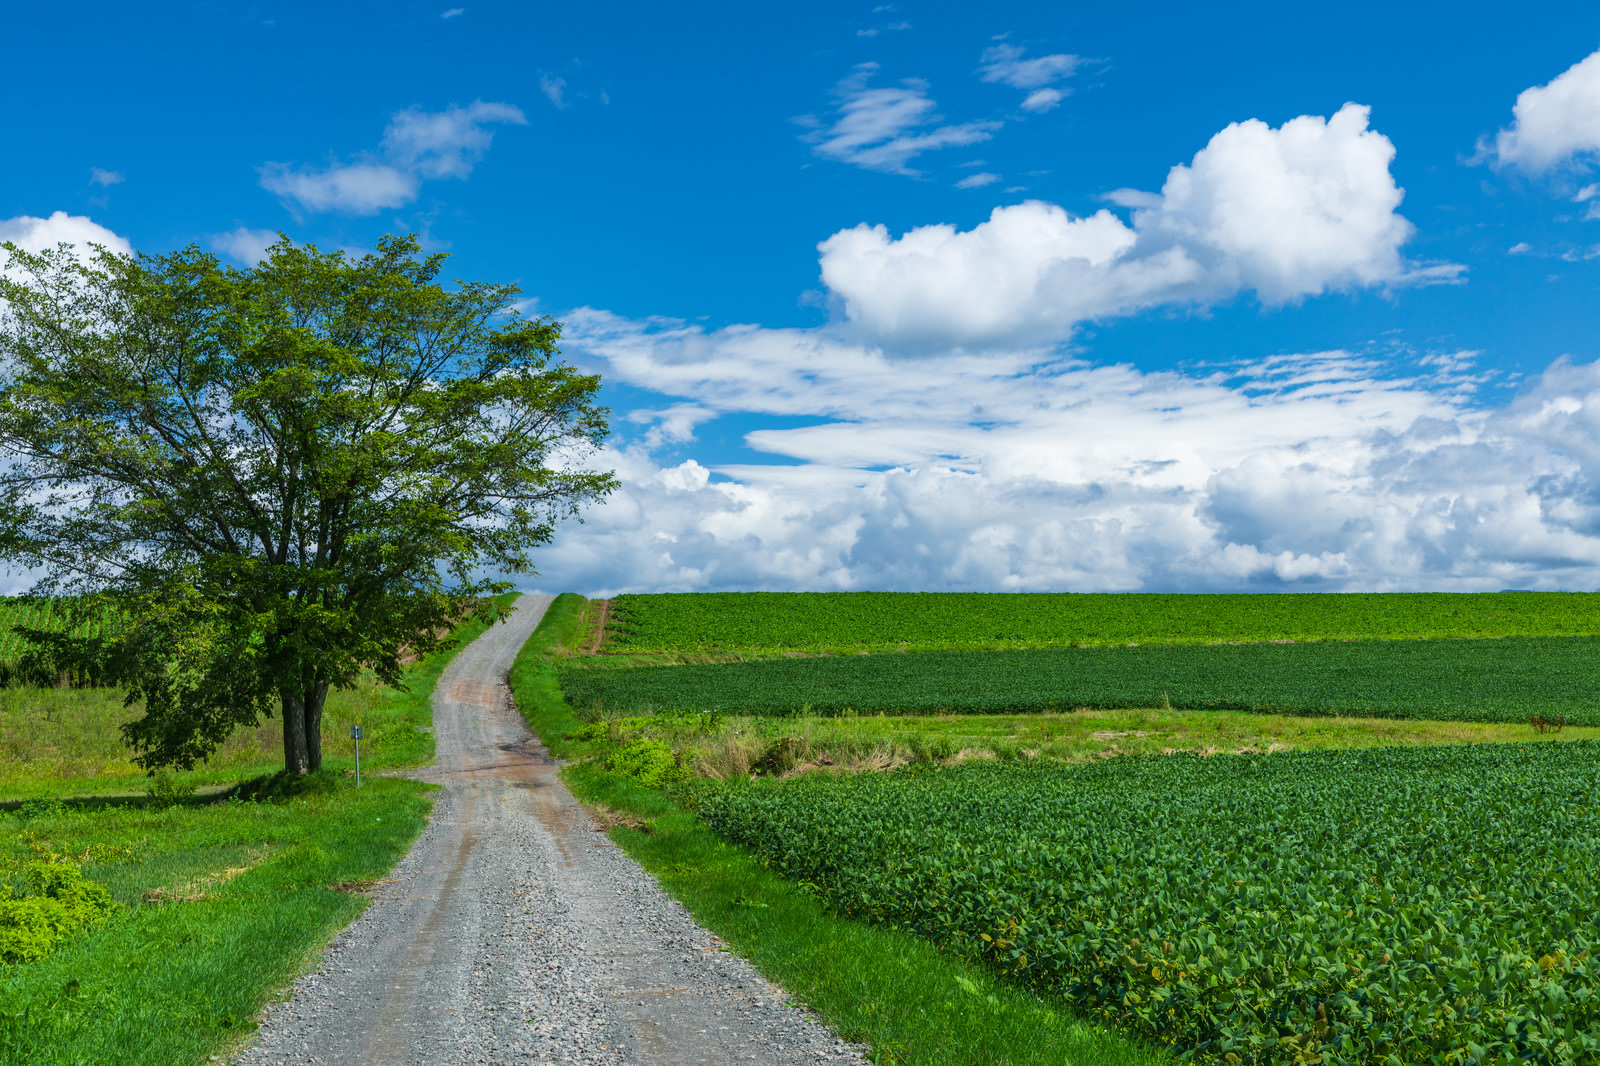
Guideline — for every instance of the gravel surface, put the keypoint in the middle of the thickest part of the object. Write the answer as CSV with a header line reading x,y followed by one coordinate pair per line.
x,y
515,931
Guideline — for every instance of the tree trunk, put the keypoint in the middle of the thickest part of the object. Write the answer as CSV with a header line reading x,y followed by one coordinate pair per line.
x,y
316,696
296,756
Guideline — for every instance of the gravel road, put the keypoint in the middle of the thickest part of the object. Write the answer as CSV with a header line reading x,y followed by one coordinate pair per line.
x,y
514,931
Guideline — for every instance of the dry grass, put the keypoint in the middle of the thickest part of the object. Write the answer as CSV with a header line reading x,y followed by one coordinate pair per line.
x,y
198,888
742,747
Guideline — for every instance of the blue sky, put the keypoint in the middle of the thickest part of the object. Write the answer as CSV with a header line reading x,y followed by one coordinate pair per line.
x,y
936,296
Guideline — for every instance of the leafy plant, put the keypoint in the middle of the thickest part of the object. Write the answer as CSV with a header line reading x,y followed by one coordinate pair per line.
x,y
1508,679
890,621
1379,906
53,902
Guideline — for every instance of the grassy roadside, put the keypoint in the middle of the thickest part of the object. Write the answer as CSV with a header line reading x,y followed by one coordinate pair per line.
x,y
890,990
218,904
221,905
58,742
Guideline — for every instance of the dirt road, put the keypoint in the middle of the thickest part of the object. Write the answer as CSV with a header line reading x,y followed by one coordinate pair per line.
x,y
515,932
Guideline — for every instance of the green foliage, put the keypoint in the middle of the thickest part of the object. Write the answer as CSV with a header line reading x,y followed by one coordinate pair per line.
x,y
53,902
780,621
59,741
1405,905
20,661
220,906
165,790
649,761
1490,680
284,476
533,678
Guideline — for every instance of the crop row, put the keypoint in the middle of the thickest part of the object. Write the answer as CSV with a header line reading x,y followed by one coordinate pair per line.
x,y
1395,906
50,614
1502,680
882,620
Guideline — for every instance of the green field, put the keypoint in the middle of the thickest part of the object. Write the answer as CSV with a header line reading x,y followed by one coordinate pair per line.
x,y
1488,680
45,613
1402,894
884,621
1383,906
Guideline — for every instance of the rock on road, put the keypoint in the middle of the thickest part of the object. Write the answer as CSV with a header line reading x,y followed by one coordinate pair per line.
x,y
515,932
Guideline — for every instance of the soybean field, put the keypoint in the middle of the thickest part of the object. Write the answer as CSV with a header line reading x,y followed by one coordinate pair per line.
x,y
887,621
1489,680
1397,905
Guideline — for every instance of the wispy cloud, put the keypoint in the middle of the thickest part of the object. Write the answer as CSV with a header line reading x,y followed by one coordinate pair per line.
x,y
417,145
453,13
248,246
554,89
978,180
1004,64
1333,470
97,176
890,28
885,128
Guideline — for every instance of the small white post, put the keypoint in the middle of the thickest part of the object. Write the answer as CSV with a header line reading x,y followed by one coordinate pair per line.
x,y
355,735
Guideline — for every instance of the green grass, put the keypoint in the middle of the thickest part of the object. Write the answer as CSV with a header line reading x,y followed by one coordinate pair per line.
x,y
894,991
730,747
222,903
65,741
1353,907
1488,680
775,622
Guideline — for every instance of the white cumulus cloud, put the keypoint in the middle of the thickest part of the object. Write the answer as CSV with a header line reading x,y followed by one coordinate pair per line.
x,y
1284,213
1319,471
1554,123
37,234
417,145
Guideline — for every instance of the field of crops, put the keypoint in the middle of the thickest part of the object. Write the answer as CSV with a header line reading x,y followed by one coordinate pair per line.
x,y
1500,680
1395,906
778,621
47,614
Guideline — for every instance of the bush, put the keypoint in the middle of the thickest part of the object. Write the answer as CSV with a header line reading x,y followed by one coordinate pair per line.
x,y
651,762
57,903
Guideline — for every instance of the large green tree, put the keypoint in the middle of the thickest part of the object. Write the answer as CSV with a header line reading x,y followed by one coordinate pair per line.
x,y
276,477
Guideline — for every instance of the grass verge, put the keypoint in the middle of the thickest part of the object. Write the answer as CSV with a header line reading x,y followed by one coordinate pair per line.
x,y
220,903
890,990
